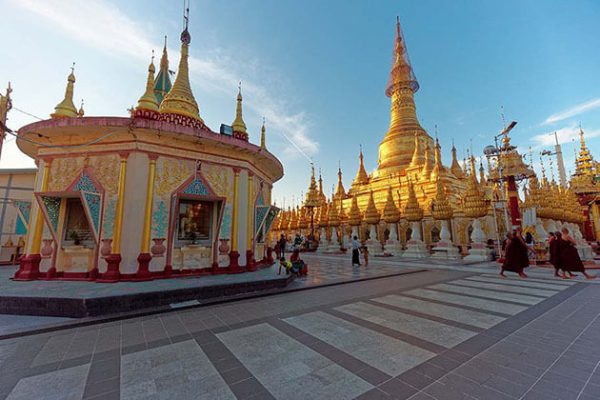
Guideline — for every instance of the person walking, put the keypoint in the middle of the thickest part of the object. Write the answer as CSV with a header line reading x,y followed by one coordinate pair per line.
x,y
569,257
516,259
554,239
282,245
355,251
365,253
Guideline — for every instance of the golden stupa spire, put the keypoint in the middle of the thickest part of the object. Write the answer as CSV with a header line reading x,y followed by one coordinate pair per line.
x,y
263,144
324,215
372,216
474,203
322,197
81,111
238,123
391,214
340,192
455,167
361,176
442,210
148,100
412,209
66,108
426,170
333,216
180,99
416,156
396,149
438,168
312,197
302,221
342,214
354,217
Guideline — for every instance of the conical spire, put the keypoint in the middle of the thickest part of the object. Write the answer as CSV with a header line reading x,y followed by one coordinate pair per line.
x,y
148,99
333,214
455,167
263,144
81,111
438,168
391,214
426,171
372,216
302,221
442,209
180,99
354,217
396,148
412,209
361,176
342,214
66,108
238,123
324,215
417,156
474,203
340,192
312,197
162,84
322,197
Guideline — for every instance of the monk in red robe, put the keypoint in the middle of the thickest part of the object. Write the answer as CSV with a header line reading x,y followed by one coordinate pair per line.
x,y
516,258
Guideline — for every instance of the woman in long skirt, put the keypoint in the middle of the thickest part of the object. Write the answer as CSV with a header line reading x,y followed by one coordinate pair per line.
x,y
569,257
515,259
355,251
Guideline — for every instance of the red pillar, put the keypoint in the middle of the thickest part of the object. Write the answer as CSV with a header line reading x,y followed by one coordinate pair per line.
x,y
29,268
513,202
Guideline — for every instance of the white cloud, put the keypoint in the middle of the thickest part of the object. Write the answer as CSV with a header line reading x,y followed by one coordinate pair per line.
x,y
103,26
573,111
565,134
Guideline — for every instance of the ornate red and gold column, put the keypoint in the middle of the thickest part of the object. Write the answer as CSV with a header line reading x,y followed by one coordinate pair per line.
x,y
234,255
143,272
29,268
250,262
113,260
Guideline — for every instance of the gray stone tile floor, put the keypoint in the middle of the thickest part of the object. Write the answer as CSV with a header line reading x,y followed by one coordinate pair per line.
x,y
419,336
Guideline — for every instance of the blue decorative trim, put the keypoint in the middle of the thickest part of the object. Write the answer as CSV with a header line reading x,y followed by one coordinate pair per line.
x,y
197,188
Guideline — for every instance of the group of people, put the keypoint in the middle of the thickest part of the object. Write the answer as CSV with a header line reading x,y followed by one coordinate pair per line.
x,y
563,254
295,265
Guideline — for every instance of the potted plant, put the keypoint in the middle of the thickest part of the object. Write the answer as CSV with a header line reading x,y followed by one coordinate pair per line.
x,y
74,236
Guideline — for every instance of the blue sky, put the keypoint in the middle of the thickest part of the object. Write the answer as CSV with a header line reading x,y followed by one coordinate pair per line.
x,y
317,70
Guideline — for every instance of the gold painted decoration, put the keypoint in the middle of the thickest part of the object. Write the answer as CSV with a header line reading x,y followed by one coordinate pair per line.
x,y
221,179
372,216
442,210
354,217
63,171
323,215
475,205
391,214
333,217
170,174
106,170
412,210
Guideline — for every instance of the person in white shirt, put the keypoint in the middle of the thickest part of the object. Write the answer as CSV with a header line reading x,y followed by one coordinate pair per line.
x,y
355,251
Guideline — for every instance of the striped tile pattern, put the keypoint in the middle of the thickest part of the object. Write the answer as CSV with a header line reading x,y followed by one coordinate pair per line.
x,y
363,348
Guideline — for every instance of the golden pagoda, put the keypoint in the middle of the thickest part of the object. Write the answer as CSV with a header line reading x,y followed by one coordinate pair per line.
x,y
372,216
66,108
391,214
412,210
474,203
442,209
355,216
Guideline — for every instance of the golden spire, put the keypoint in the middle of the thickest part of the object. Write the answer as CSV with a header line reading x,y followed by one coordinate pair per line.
x,y
416,157
361,176
294,219
322,197
354,217
302,221
474,203
262,135
438,168
340,192
442,210
426,170
238,123
342,214
162,83
396,148
180,99
312,198
391,214
81,111
323,215
333,214
455,168
148,99
412,209
66,108
372,216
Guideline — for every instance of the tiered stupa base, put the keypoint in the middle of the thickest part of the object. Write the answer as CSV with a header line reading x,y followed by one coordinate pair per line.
x,y
415,249
393,248
445,250
479,252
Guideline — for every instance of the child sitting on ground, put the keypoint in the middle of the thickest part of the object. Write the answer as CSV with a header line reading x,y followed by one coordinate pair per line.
x,y
298,265
287,265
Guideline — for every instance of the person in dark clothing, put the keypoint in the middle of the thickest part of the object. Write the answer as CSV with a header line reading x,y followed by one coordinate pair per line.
x,y
569,257
554,239
516,258
282,245
355,251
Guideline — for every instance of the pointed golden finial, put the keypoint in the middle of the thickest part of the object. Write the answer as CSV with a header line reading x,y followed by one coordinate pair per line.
x,y
66,108
391,214
333,216
455,167
474,203
361,176
263,144
416,157
148,100
426,170
340,192
442,210
180,99
354,217
372,216
81,111
412,210
438,168
238,123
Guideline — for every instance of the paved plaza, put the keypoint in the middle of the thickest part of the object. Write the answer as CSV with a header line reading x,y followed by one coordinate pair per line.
x,y
441,332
